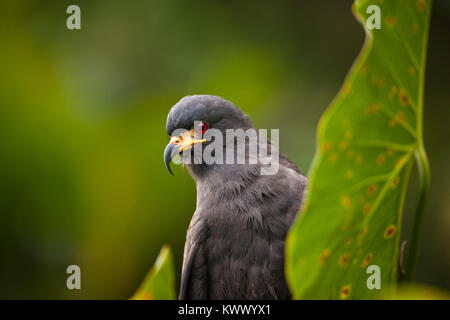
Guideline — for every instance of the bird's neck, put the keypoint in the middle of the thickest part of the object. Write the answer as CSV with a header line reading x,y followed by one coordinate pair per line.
x,y
218,175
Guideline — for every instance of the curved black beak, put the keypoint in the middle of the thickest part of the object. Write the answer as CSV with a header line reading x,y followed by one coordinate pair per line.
x,y
171,151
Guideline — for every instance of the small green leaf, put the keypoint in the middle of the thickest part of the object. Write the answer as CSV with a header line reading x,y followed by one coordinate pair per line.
x,y
367,141
159,283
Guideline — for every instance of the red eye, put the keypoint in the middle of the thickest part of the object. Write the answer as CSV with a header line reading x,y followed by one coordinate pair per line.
x,y
200,127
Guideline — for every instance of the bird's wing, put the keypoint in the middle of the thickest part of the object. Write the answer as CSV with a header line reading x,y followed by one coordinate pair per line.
x,y
186,270
193,274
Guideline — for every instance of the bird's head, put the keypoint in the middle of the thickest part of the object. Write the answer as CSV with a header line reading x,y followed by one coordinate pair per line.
x,y
192,116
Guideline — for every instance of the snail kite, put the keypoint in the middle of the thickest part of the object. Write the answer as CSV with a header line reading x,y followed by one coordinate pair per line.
x,y
236,239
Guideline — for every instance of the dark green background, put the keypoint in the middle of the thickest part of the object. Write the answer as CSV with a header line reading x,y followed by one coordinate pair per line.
x,y
82,125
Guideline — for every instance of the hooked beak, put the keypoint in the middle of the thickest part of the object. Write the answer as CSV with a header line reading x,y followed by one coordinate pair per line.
x,y
170,152
178,145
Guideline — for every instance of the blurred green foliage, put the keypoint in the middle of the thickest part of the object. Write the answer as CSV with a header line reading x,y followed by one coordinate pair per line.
x,y
82,125
367,140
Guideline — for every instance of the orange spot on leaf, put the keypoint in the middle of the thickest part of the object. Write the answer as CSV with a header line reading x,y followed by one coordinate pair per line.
x,y
403,97
390,231
371,189
366,209
381,159
326,146
345,291
324,256
421,5
343,260
346,202
367,260
390,20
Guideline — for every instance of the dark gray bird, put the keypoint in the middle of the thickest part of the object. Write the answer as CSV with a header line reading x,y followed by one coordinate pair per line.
x,y
235,242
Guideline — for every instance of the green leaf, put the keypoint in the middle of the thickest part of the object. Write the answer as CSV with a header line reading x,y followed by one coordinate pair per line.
x,y
159,283
416,291
367,140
